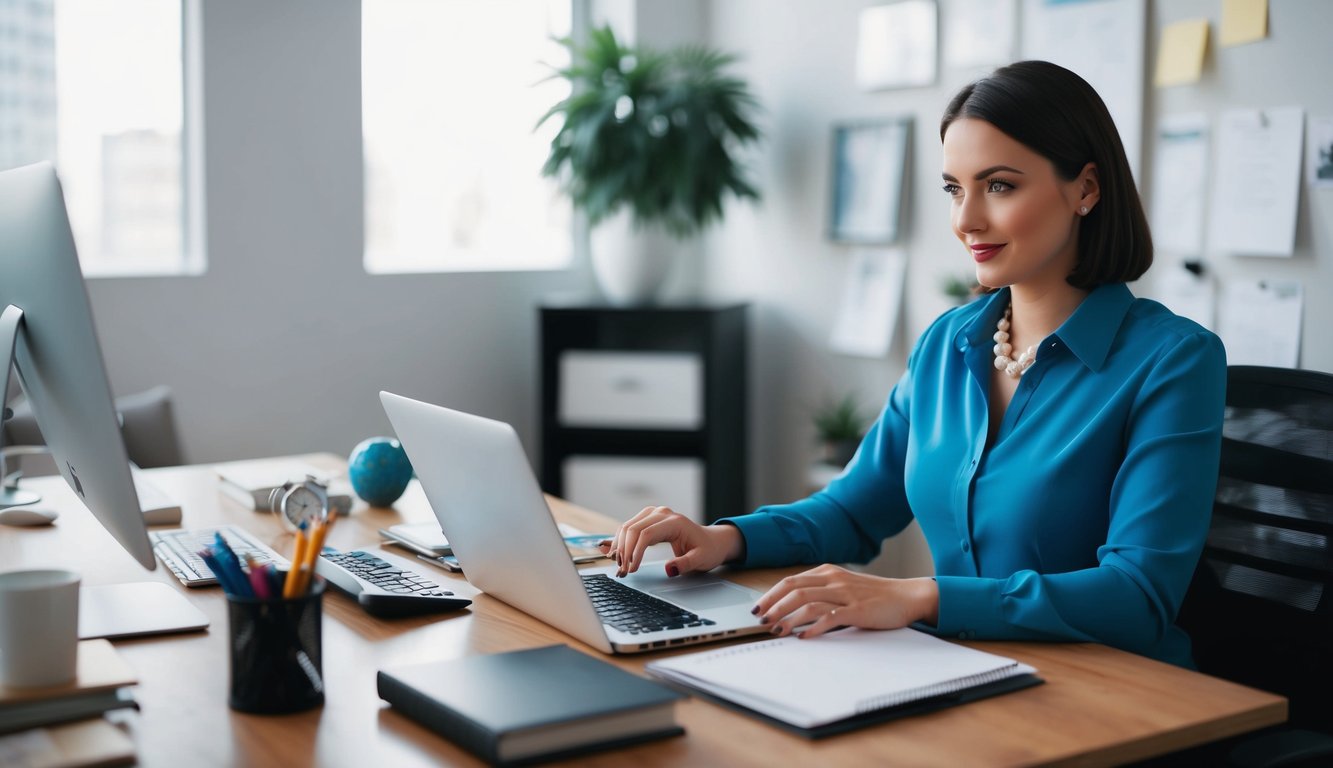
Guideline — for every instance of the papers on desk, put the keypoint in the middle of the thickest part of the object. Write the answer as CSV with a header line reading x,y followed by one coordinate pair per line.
x,y
845,679
1257,182
1260,322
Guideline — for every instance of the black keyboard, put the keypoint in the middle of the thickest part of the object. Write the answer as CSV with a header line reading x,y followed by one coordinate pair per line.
x,y
635,612
383,588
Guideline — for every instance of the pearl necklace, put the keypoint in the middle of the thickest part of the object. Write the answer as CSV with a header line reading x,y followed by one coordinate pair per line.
x,y
1014,368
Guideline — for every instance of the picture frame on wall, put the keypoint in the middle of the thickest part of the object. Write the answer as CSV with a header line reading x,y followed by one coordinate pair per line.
x,y
869,174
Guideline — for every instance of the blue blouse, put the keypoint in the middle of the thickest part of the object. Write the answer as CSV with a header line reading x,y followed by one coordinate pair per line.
x,y
1082,521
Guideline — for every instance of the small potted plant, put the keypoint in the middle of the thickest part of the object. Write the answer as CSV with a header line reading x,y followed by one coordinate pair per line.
x,y
959,289
654,133
839,425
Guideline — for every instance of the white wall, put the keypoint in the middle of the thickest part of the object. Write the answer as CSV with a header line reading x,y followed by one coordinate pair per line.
x,y
799,55
284,343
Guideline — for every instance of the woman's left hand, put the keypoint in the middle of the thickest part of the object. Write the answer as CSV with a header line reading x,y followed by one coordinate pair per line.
x,y
832,597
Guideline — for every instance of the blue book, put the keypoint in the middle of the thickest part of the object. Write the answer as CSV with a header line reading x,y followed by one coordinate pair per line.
x,y
533,705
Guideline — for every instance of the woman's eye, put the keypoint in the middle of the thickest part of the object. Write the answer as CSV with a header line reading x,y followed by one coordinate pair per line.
x,y
998,186
952,189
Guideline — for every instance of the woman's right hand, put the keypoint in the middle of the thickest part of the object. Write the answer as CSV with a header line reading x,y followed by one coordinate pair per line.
x,y
697,547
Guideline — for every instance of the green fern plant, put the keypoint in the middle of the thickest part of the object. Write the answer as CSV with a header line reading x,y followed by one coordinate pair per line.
x,y
840,419
658,132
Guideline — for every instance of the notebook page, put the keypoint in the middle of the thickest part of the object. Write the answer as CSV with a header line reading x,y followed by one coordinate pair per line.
x,y
824,679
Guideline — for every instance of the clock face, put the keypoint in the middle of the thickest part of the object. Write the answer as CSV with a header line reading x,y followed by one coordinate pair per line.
x,y
303,503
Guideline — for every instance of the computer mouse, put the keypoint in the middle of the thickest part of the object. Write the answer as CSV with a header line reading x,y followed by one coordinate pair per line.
x,y
27,517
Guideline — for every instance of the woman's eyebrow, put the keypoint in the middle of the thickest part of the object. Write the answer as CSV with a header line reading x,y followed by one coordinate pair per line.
x,y
983,174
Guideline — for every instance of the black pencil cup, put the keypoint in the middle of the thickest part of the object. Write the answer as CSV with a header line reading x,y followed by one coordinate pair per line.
x,y
276,653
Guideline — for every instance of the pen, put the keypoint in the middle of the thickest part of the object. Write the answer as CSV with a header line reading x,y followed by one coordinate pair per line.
x,y
232,565
258,580
220,573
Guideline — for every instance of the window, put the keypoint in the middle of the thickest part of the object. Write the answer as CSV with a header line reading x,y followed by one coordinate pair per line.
x,y
97,88
450,95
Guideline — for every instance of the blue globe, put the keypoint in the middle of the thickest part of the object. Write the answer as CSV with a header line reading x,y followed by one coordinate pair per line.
x,y
379,470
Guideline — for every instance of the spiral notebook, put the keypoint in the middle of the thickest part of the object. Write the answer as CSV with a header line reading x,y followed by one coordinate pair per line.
x,y
846,679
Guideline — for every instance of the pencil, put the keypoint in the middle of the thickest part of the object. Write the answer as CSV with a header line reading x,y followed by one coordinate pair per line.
x,y
289,586
315,546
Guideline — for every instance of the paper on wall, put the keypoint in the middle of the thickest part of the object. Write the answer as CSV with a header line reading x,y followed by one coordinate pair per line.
x,y
871,298
896,45
1243,21
1321,152
1103,41
1257,181
1190,295
979,33
1260,322
1180,55
1179,183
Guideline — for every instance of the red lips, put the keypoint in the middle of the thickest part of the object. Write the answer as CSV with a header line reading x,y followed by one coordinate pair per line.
x,y
985,251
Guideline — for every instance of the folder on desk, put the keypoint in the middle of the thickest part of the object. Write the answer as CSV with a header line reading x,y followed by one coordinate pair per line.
x,y
844,680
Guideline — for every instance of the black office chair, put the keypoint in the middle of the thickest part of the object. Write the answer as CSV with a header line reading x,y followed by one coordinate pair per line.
x,y
1260,608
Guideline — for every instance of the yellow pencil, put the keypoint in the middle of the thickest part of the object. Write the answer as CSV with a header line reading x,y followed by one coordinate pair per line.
x,y
315,546
293,579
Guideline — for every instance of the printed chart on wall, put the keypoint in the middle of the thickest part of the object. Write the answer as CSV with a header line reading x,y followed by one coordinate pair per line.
x,y
1103,41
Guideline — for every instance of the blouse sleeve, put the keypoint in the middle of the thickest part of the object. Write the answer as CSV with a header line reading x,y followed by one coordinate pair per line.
x,y
1160,507
849,520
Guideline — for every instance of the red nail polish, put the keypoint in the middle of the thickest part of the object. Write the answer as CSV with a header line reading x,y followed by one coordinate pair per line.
x,y
672,570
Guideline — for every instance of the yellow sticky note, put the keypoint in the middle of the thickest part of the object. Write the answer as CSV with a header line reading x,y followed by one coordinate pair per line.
x,y
1180,56
1243,21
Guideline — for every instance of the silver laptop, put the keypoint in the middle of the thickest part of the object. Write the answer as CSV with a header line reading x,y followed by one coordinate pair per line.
x,y
478,481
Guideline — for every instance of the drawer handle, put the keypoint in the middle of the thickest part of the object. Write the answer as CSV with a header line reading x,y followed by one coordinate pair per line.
x,y
636,489
627,384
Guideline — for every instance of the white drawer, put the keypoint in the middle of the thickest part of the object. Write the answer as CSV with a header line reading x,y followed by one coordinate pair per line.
x,y
621,486
631,390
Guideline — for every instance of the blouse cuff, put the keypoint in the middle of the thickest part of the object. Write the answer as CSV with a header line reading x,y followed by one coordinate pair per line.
x,y
766,546
969,606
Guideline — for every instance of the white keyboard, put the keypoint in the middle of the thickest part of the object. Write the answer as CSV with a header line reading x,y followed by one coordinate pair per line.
x,y
178,550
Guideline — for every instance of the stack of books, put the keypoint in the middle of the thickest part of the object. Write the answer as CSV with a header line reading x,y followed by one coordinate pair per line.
x,y
62,724
252,482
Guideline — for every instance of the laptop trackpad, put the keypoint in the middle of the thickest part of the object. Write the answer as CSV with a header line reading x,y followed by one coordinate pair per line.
x,y
705,596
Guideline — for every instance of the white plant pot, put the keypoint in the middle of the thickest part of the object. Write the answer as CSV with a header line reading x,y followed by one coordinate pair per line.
x,y
630,266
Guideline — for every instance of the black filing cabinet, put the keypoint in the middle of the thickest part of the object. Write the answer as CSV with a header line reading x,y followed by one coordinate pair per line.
x,y
643,406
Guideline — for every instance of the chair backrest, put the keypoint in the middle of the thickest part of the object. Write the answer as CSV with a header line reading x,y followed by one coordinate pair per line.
x,y
1260,608
148,426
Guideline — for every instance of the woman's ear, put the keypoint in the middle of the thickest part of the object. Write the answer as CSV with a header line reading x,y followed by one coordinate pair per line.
x,y
1089,188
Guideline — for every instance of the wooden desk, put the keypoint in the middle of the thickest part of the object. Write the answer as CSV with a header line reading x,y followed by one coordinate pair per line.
x,y
1098,707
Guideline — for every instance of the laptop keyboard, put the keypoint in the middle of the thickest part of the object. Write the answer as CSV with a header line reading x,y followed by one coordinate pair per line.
x,y
635,612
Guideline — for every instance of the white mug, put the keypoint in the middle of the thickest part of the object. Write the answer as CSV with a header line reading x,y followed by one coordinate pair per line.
x,y
39,627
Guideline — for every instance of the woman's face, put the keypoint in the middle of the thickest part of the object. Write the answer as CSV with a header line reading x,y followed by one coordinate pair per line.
x,y
1016,216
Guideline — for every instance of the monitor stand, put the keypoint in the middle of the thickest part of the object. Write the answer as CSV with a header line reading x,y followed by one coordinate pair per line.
x,y
10,495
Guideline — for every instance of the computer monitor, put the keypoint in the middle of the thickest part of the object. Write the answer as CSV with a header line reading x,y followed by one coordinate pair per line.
x,y
46,328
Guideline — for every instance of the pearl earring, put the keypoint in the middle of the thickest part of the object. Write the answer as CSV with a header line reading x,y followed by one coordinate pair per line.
x,y
1083,211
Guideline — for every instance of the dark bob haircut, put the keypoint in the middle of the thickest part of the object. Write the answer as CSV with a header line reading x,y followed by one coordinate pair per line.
x,y
1056,114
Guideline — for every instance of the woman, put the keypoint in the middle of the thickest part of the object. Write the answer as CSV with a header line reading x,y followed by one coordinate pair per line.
x,y
1056,439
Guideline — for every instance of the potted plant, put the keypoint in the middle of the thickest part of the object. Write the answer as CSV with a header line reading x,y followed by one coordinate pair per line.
x,y
654,133
839,425
960,290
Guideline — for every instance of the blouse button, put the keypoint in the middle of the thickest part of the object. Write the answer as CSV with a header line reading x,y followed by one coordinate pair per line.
x,y
967,546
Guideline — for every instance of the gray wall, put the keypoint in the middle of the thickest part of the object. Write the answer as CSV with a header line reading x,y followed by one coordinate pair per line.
x,y
283,344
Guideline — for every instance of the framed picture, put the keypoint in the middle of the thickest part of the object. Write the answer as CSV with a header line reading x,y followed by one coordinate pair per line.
x,y
869,168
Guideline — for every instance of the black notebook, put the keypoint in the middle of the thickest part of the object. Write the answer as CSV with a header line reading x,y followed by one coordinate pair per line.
x,y
844,680
537,704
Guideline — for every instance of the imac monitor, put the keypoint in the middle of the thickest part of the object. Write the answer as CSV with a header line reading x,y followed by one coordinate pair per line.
x,y
46,321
